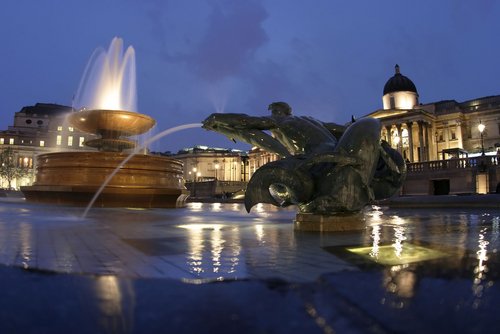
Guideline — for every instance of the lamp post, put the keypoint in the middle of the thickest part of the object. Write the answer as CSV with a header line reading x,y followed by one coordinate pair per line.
x,y
481,128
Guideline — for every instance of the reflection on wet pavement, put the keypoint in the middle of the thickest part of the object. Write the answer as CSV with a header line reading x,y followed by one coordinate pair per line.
x,y
406,264
221,241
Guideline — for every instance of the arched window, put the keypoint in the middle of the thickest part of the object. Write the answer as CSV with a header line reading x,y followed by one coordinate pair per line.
x,y
395,139
404,137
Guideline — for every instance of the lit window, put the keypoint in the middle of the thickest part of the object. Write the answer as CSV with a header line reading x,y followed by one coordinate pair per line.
x,y
11,141
59,128
70,129
70,140
80,143
392,102
2,141
404,137
58,140
42,143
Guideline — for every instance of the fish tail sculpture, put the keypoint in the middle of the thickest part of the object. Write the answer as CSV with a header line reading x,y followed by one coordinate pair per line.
x,y
280,183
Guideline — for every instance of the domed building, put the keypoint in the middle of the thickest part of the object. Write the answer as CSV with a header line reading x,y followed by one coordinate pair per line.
x,y
399,92
447,139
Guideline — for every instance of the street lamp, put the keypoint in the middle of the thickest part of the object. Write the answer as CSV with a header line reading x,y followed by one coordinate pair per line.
x,y
481,128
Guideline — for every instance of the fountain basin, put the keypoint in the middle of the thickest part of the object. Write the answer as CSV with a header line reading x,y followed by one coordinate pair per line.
x,y
74,178
115,122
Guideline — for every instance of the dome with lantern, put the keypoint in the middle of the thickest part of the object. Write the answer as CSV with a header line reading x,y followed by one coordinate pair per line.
x,y
399,92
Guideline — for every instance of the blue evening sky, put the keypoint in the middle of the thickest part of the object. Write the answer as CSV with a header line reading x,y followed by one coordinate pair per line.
x,y
327,58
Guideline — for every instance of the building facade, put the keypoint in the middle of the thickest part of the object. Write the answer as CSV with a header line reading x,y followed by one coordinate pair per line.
x,y
203,163
438,130
37,129
451,147
214,172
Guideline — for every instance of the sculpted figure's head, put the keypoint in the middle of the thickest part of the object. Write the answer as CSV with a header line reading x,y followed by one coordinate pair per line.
x,y
280,109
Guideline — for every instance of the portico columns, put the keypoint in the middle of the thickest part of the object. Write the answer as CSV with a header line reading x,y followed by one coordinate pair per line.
x,y
410,140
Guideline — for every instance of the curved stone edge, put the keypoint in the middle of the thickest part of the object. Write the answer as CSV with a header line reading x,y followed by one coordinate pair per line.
x,y
138,197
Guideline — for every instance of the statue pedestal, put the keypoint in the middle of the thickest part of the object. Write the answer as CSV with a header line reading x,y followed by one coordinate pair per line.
x,y
333,223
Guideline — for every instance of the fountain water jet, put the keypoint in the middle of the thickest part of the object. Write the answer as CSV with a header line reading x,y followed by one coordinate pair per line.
x,y
131,155
138,180
109,80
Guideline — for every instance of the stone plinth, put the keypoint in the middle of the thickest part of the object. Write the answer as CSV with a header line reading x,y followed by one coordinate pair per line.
x,y
333,223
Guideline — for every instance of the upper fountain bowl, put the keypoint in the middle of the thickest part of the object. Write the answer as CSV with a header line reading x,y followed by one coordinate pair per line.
x,y
124,123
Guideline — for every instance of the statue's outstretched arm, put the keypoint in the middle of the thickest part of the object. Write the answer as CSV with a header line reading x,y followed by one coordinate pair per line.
x,y
246,129
238,121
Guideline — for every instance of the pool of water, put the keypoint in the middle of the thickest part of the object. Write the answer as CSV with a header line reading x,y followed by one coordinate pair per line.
x,y
207,242
216,268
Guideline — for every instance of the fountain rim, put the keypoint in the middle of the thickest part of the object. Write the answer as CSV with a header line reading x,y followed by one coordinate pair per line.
x,y
96,121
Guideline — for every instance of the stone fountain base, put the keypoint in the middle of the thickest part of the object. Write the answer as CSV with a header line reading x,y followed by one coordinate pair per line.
x,y
73,178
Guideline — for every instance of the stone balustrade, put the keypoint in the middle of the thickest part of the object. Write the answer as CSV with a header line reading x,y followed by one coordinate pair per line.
x,y
453,176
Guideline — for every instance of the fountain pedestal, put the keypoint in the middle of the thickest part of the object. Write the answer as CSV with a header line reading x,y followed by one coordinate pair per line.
x,y
74,178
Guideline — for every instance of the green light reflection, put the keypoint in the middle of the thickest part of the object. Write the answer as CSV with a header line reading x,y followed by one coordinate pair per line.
x,y
388,255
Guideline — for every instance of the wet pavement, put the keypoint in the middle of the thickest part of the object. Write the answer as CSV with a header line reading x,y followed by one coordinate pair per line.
x,y
213,268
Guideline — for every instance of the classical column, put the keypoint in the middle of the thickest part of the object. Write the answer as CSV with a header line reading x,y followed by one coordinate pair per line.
x,y
458,134
400,135
420,141
426,147
388,132
410,139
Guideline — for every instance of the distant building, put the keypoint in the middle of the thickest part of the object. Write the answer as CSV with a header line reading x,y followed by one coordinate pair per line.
x,y
202,163
428,135
39,129
437,130
258,158
214,172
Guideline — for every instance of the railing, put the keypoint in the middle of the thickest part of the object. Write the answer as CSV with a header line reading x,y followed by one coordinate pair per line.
x,y
462,163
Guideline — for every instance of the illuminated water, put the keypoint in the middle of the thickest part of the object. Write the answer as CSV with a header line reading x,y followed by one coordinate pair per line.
x,y
221,241
109,80
413,270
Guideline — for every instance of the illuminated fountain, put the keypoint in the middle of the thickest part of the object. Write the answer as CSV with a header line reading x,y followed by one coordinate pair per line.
x,y
106,104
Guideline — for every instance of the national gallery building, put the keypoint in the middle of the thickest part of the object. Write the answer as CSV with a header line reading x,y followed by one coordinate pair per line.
x,y
450,147
438,130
